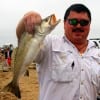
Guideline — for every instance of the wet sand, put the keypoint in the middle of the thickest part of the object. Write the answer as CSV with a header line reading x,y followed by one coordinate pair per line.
x,y
28,86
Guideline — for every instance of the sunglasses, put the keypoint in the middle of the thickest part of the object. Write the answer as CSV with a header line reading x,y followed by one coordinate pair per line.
x,y
75,22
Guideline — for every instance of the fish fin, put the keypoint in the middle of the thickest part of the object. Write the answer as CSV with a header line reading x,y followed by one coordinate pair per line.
x,y
14,89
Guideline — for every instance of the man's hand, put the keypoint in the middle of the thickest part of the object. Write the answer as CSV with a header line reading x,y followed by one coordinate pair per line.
x,y
30,20
27,23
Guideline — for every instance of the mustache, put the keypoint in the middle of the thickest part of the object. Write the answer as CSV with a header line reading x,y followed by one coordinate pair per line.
x,y
77,30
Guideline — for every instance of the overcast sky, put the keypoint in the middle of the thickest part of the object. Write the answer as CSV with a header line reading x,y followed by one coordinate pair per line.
x,y
11,11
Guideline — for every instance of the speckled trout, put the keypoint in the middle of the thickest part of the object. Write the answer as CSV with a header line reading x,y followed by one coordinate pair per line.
x,y
27,51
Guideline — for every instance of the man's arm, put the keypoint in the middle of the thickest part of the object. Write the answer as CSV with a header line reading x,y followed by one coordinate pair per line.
x,y
20,29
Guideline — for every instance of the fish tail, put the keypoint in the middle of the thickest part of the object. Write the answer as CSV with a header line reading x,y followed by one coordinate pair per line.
x,y
14,89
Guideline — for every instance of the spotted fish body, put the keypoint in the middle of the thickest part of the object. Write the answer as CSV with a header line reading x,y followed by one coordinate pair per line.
x,y
27,51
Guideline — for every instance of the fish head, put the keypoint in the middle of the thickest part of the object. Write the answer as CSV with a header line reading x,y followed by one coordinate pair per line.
x,y
47,25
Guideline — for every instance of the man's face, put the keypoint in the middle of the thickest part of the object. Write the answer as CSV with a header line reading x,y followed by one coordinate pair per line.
x,y
77,27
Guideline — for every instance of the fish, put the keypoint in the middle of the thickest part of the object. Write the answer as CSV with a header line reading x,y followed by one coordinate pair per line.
x,y
27,51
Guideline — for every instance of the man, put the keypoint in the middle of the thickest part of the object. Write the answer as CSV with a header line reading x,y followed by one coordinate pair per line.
x,y
68,66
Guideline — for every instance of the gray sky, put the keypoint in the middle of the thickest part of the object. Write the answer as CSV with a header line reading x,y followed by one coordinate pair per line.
x,y
11,11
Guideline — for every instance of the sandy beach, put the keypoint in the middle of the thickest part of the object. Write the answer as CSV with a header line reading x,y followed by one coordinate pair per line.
x,y
28,86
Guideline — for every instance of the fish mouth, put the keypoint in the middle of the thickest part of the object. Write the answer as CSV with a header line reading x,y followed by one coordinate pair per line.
x,y
53,20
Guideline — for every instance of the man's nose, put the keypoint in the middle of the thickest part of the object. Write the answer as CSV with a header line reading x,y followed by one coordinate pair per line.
x,y
78,25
